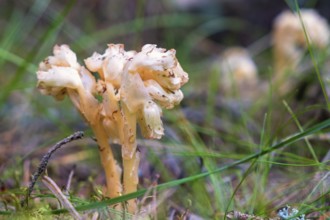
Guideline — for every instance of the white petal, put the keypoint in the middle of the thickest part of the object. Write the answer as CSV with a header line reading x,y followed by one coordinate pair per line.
x,y
159,65
157,59
166,99
88,80
180,73
113,65
44,65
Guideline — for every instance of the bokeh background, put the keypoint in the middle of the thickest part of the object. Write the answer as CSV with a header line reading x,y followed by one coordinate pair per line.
x,y
203,133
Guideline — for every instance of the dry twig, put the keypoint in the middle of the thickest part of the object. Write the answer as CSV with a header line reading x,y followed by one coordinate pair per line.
x,y
44,162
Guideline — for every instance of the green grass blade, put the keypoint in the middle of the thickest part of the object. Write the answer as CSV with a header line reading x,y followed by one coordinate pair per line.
x,y
310,147
174,183
311,53
246,173
19,61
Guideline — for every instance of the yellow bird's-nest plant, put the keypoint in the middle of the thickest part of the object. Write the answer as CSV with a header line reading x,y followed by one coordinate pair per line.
x,y
134,86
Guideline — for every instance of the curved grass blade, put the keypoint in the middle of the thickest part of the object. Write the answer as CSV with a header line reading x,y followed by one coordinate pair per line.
x,y
290,140
247,172
294,117
311,53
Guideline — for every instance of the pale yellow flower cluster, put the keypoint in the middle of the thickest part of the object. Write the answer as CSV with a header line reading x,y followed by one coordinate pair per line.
x,y
145,82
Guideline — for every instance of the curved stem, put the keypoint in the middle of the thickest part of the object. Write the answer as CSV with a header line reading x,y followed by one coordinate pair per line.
x,y
88,107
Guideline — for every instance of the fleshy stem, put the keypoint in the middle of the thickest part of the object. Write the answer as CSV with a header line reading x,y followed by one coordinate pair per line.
x,y
131,157
87,106
109,164
131,180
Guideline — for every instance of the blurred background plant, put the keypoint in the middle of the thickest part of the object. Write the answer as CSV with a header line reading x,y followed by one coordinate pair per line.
x,y
211,129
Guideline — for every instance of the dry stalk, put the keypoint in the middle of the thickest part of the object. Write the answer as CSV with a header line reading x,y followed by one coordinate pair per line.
x,y
52,186
44,161
68,183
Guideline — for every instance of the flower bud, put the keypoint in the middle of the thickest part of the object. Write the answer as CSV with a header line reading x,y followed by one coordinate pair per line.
x,y
94,63
149,119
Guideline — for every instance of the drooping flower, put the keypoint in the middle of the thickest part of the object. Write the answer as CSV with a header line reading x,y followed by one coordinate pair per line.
x,y
63,56
56,80
158,78
62,75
